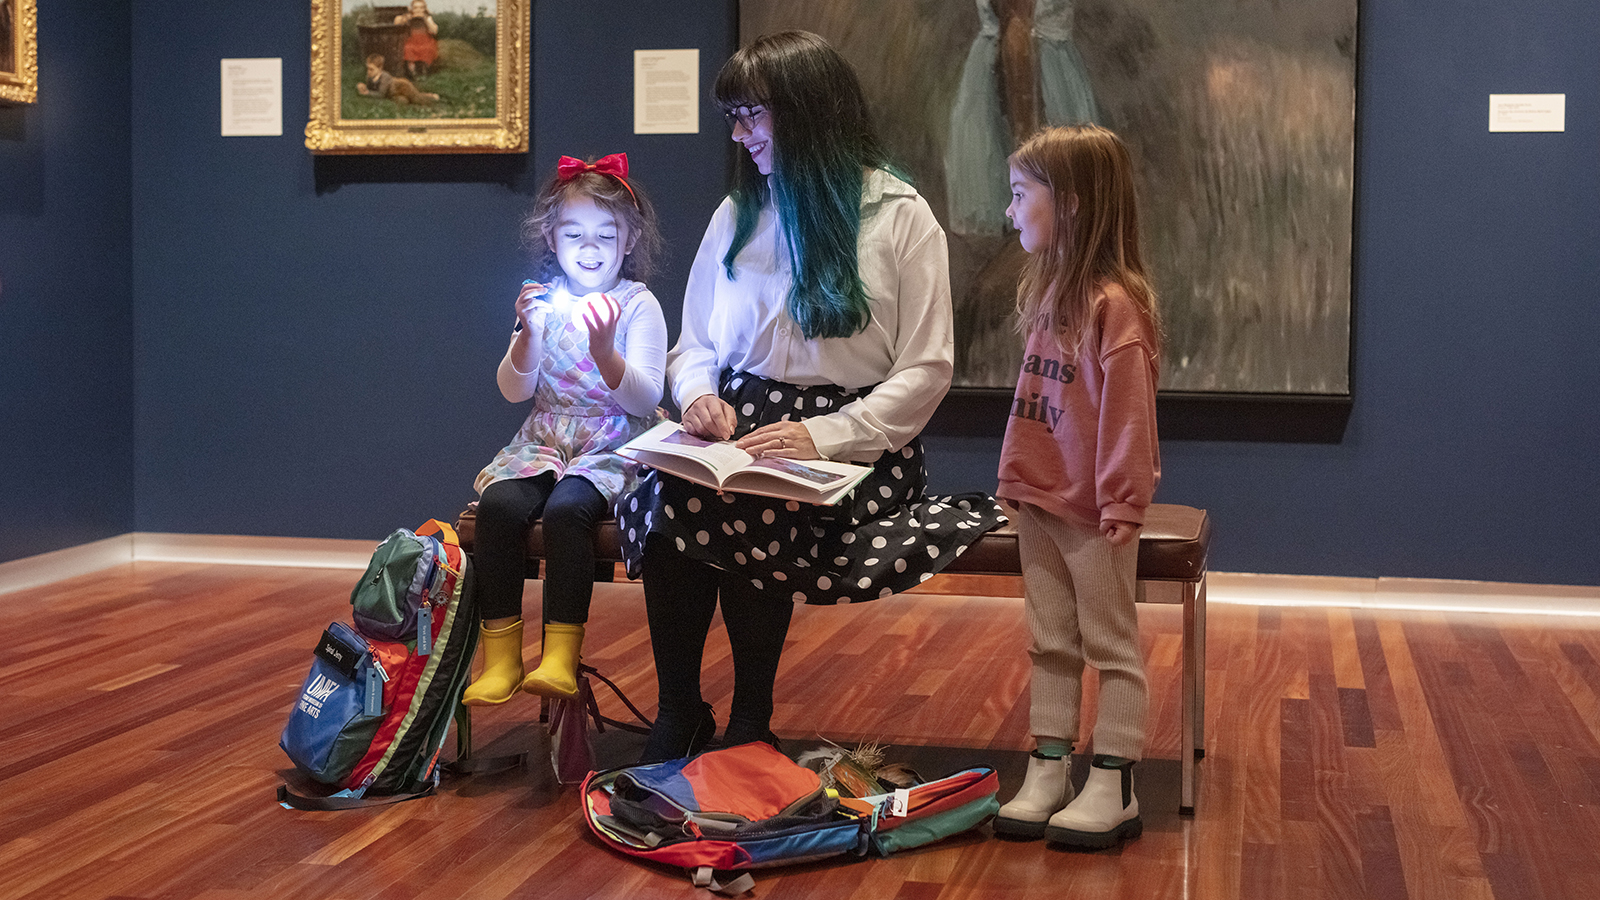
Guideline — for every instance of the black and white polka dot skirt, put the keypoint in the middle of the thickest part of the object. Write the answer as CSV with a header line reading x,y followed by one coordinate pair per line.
x,y
884,538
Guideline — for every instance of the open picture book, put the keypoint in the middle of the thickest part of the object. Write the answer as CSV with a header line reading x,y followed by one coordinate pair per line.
x,y
721,465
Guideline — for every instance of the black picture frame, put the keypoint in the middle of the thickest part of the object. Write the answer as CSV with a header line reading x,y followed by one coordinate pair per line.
x,y
1183,416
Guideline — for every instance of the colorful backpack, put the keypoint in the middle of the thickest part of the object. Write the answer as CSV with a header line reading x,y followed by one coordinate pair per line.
x,y
749,806
912,817
373,713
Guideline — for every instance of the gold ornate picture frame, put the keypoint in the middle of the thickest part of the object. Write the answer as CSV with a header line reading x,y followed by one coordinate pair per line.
x,y
446,76
19,51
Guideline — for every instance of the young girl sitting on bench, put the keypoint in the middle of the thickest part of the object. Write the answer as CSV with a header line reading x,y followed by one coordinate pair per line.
x,y
589,347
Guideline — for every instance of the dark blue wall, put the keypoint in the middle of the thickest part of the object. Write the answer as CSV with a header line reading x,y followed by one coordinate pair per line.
x,y
315,337
66,304
1470,451
318,336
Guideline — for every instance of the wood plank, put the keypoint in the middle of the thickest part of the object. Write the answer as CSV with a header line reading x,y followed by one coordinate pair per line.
x,y
1382,871
1346,649
1260,690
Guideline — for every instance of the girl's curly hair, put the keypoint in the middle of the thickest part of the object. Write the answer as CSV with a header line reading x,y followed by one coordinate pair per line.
x,y
610,194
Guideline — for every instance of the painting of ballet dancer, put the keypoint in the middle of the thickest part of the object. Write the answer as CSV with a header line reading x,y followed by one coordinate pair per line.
x,y
1240,118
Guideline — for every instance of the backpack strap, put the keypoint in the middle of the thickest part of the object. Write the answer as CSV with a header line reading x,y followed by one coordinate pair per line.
x,y
466,763
345,799
706,877
445,529
601,721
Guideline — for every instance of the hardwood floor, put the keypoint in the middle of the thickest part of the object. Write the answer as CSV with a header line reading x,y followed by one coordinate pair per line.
x,y
1349,753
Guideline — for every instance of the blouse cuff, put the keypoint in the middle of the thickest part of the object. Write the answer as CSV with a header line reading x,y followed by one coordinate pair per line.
x,y
688,393
830,435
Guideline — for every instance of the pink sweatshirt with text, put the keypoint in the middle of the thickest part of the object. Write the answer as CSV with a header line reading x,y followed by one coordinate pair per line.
x,y
1081,439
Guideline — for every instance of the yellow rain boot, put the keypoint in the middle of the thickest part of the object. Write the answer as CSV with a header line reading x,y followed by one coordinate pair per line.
x,y
557,675
502,667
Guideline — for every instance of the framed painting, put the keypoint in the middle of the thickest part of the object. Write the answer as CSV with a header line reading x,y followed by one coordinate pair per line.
x,y
1241,122
19,51
431,76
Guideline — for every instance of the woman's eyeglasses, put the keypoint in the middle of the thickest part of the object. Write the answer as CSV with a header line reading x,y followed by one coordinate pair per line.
x,y
745,115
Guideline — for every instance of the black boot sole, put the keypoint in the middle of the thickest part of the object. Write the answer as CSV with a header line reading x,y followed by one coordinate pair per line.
x,y
1095,840
1019,829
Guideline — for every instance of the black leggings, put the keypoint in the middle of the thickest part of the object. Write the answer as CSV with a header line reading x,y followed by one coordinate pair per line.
x,y
680,597
570,508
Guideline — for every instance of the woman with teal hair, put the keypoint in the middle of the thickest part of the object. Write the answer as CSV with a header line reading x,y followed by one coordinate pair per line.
x,y
816,325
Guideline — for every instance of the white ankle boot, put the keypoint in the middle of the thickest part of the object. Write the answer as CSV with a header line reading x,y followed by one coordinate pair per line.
x,y
1046,789
1103,814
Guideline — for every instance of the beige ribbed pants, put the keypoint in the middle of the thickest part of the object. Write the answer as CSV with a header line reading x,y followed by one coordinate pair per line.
x,y
1080,603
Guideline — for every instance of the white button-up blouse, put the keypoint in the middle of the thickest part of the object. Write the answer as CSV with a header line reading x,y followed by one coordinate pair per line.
x,y
907,349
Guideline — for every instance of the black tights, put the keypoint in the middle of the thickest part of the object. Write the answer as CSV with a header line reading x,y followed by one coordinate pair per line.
x,y
680,597
570,508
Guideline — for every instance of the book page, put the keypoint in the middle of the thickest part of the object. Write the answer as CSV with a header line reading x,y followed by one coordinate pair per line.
x,y
722,456
667,446
811,480
721,465
805,473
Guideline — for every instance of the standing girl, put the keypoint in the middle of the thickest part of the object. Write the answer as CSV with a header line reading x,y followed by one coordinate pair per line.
x,y
589,347
1079,465
422,43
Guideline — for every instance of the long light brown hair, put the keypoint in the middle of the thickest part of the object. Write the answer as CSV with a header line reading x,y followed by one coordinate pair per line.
x,y
1096,233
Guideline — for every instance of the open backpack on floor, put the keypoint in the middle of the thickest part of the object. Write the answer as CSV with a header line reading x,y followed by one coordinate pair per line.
x,y
749,806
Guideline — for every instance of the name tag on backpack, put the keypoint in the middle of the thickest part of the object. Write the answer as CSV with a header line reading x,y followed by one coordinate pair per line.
x,y
338,654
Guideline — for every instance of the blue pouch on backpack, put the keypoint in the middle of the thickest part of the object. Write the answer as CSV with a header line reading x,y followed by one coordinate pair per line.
x,y
339,709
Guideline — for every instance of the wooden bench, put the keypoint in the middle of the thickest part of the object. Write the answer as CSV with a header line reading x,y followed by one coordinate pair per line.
x,y
1172,549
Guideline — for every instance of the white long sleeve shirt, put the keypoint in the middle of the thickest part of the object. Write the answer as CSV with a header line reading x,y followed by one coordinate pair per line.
x,y
907,350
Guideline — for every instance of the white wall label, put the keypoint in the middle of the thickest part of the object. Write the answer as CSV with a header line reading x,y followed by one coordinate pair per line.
x,y
1527,112
252,97
666,91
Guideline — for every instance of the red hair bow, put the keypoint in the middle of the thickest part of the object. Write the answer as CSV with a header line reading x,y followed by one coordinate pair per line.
x,y
615,165
568,168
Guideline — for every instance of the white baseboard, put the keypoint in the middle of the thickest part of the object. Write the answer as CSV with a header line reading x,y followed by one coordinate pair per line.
x,y
1436,594
242,550
215,549
34,571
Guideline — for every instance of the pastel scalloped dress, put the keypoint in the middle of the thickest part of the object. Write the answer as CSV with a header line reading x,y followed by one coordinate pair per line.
x,y
575,426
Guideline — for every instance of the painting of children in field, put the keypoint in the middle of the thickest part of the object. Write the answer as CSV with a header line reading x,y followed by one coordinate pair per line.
x,y
430,59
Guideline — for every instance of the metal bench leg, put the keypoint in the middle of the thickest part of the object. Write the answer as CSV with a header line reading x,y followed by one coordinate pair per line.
x,y
1191,662
1200,671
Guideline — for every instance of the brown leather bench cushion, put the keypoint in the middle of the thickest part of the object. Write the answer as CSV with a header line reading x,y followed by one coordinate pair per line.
x,y
1172,546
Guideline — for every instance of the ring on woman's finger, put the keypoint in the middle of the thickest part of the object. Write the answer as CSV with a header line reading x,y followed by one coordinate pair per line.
x,y
783,442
